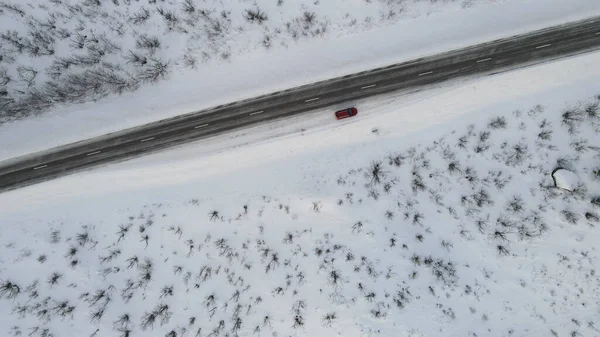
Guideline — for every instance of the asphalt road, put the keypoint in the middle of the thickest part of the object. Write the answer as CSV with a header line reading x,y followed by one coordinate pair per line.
x,y
479,60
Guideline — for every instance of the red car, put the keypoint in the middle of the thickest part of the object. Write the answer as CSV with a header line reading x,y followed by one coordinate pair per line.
x,y
346,113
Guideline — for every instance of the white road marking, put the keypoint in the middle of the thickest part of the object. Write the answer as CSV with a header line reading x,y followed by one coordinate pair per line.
x,y
312,99
39,167
483,60
369,86
598,33
427,73
255,113
544,46
200,126
93,153
147,139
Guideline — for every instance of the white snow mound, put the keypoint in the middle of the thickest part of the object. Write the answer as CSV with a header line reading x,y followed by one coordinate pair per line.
x,y
565,179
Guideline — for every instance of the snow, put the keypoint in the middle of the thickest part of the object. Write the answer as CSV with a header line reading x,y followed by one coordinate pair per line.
x,y
565,179
484,248
422,28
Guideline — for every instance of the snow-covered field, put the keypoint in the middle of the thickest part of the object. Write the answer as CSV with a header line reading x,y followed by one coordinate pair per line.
x,y
427,215
213,54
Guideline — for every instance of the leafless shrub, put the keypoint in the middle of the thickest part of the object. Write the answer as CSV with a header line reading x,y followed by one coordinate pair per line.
x,y
471,175
55,236
515,204
591,216
454,166
140,17
463,141
396,160
373,193
148,320
150,43
357,227
387,187
447,245
484,136
502,250
288,238
482,198
524,232
591,112
417,219
9,290
255,16
572,119
161,312
481,224
145,271
111,256
13,39
272,263
417,183
375,173
505,222
416,260
499,179
329,319
545,135
189,6
516,154
169,17
596,200
136,58
298,322
595,173
154,71
166,291
402,297
570,216
83,238
190,61
12,8
309,18
266,41
122,322
500,234
498,123
579,145
123,229
444,271
335,279
4,77
132,262
54,278
27,75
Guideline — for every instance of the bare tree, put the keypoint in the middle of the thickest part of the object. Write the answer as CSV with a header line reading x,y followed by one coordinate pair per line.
x,y
189,6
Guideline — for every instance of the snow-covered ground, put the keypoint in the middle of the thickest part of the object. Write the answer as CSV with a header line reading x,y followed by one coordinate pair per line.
x,y
431,214
359,35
